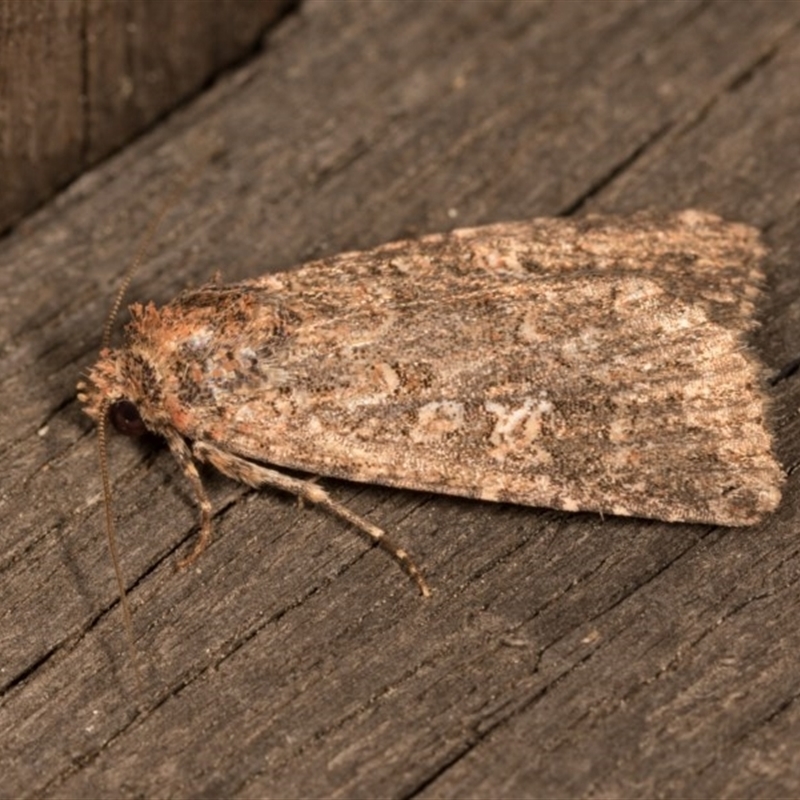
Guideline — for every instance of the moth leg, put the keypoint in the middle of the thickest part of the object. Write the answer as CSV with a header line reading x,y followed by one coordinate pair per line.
x,y
312,479
255,475
183,455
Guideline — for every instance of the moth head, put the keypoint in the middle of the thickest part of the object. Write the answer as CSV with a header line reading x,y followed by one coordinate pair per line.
x,y
124,386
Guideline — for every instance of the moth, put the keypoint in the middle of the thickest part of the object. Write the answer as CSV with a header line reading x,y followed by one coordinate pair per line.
x,y
594,364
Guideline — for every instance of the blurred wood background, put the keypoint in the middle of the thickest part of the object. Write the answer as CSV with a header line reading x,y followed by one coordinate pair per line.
x,y
562,655
80,78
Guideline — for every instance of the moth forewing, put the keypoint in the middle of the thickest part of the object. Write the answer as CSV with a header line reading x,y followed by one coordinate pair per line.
x,y
595,364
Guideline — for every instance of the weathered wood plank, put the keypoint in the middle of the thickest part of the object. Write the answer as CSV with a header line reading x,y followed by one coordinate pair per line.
x,y
80,78
562,655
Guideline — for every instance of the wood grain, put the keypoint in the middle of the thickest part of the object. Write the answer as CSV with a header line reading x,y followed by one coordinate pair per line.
x,y
561,654
81,78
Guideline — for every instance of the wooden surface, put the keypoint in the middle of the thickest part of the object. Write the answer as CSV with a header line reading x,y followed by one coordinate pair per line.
x,y
80,78
561,654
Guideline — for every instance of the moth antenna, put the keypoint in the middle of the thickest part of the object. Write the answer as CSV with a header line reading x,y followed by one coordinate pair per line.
x,y
111,538
102,446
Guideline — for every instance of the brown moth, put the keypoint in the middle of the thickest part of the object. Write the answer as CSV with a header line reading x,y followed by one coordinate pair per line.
x,y
595,364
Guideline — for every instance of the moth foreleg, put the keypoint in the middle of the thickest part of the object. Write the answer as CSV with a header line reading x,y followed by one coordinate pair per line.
x,y
256,475
183,455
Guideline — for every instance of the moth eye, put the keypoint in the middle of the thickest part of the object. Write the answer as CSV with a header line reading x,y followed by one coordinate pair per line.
x,y
125,418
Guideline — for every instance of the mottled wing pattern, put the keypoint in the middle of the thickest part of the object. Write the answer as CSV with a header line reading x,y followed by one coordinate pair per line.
x,y
596,364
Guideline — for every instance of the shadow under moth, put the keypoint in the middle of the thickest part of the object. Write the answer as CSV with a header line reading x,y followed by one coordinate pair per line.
x,y
596,364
